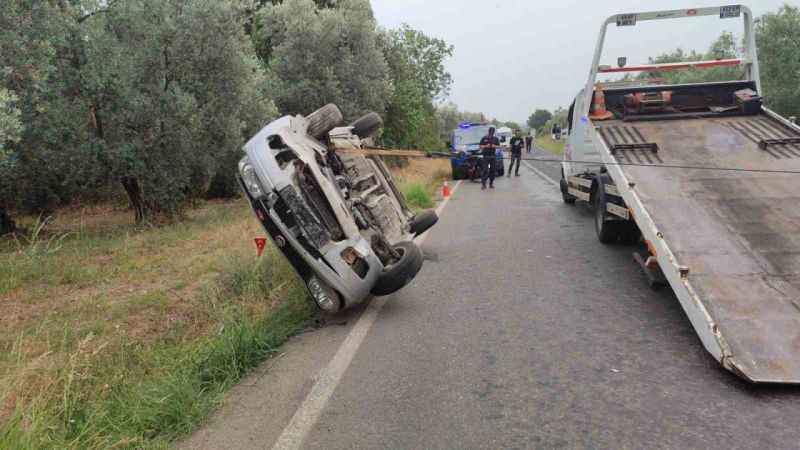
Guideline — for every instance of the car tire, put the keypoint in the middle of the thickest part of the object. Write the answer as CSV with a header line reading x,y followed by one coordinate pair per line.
x,y
608,231
396,276
323,120
423,221
459,173
367,125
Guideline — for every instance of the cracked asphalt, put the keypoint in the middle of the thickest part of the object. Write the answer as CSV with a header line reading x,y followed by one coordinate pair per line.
x,y
522,331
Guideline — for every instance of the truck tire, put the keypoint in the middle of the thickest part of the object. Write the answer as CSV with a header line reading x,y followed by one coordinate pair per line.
x,y
608,231
367,125
630,233
565,195
323,120
396,276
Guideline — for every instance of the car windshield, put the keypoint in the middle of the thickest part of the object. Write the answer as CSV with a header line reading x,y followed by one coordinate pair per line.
x,y
469,136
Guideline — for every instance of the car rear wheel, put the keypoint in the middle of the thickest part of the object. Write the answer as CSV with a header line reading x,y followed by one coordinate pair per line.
x,y
398,274
323,120
367,125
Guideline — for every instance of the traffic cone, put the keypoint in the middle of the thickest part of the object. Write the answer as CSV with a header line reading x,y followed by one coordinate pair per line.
x,y
445,190
599,111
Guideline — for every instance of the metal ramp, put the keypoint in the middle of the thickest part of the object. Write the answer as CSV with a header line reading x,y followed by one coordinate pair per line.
x,y
736,235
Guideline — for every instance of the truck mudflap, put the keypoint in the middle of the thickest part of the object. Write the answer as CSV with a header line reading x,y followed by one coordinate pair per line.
x,y
728,242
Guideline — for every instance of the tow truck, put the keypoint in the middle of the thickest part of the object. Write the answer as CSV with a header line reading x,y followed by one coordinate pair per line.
x,y
707,177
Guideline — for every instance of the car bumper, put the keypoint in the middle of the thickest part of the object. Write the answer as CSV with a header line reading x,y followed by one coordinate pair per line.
x,y
328,265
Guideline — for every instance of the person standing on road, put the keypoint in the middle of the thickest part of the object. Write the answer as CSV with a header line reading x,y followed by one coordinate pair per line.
x,y
489,144
516,152
529,142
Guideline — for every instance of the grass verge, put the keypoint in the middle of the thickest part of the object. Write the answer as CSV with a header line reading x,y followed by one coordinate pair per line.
x,y
421,181
115,337
547,143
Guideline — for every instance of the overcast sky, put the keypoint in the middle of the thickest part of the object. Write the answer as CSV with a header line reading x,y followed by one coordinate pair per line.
x,y
512,56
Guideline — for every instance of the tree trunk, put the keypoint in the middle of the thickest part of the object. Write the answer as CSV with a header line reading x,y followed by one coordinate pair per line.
x,y
6,224
134,191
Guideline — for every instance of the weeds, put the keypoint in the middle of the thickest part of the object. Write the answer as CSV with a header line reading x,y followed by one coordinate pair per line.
x,y
36,245
417,196
138,366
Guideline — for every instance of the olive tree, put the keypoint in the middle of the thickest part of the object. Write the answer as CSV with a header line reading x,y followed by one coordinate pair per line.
x,y
318,56
173,88
778,36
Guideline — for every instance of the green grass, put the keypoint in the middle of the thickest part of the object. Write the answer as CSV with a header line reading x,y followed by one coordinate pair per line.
x,y
147,397
128,339
548,144
417,196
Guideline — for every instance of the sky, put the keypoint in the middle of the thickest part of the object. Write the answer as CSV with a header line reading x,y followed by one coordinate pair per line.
x,y
513,56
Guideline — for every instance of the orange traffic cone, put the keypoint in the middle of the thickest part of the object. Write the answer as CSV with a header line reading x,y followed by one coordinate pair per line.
x,y
445,190
599,111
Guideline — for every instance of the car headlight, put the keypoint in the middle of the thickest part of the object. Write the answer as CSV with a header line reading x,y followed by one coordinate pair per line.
x,y
250,179
325,297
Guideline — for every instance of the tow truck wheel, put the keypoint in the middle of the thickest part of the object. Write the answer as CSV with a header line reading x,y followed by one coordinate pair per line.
x,y
608,231
630,233
398,274
568,199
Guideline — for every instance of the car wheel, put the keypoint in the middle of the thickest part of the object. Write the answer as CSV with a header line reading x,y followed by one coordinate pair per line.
x,y
323,120
459,173
367,125
607,230
423,221
398,274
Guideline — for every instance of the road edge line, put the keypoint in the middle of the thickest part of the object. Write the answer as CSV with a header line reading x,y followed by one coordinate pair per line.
x,y
306,416
541,174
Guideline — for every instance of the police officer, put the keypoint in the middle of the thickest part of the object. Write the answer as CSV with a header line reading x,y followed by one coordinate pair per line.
x,y
516,152
489,144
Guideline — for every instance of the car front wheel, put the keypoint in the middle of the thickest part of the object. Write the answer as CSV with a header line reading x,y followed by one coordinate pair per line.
x,y
398,274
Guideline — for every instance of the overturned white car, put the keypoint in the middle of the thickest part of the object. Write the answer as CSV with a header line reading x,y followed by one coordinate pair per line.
x,y
339,219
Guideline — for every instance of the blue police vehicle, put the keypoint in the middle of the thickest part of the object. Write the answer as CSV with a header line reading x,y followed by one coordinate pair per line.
x,y
465,148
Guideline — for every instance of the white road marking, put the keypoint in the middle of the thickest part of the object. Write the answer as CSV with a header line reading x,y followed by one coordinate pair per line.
x,y
541,174
307,415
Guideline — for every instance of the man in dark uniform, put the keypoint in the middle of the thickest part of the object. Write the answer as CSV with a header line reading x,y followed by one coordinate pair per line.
x,y
489,144
516,152
529,142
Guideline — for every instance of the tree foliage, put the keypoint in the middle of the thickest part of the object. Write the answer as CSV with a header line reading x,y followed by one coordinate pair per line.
x,y
10,126
778,37
539,118
156,95
318,56
724,47
416,64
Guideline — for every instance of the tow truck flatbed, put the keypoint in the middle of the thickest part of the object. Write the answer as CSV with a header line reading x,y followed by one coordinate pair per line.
x,y
734,235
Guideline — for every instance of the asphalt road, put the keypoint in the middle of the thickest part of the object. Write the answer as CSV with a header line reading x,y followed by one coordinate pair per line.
x,y
522,331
